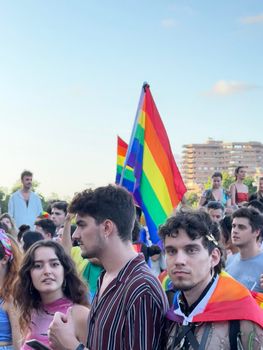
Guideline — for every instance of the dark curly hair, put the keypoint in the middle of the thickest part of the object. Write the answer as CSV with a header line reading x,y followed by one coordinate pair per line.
x,y
226,227
197,224
109,202
27,298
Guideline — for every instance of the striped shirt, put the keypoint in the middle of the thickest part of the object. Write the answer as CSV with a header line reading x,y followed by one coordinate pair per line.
x,y
130,313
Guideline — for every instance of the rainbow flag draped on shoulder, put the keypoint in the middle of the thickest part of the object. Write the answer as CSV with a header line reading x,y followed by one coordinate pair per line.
x,y
158,183
230,300
128,179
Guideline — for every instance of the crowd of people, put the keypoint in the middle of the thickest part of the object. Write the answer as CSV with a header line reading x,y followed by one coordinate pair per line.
x,y
85,275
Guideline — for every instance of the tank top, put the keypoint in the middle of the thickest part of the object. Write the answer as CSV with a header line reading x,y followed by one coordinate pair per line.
x,y
5,326
209,197
241,197
41,319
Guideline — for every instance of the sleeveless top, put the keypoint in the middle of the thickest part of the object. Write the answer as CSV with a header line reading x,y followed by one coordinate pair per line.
x,y
5,326
41,319
241,197
208,194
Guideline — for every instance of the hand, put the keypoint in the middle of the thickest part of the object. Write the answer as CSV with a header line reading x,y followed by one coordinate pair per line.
x,y
61,332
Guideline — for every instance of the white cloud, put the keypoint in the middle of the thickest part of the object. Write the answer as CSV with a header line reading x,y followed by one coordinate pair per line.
x,y
169,23
224,88
252,19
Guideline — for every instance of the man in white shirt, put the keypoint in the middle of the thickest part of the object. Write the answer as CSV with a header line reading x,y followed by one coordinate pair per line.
x,y
25,205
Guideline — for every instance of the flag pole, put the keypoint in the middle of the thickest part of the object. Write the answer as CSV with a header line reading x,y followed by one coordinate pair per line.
x,y
144,86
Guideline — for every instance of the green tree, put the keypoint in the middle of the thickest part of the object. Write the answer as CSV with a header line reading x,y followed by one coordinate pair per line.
x,y
192,199
17,186
226,181
250,182
4,198
208,184
5,195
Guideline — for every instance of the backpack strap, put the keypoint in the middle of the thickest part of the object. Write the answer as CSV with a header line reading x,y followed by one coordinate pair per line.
x,y
187,332
234,333
205,335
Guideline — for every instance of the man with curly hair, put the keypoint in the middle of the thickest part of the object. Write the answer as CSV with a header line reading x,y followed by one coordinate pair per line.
x,y
128,310
209,309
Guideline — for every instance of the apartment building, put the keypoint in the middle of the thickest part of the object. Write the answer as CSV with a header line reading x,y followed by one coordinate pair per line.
x,y
199,161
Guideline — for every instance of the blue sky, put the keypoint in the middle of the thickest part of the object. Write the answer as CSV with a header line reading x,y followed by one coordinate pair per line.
x,y
71,74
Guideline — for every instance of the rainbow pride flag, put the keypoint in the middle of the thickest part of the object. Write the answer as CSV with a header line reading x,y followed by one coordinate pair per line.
x,y
230,300
258,297
158,186
127,175
167,285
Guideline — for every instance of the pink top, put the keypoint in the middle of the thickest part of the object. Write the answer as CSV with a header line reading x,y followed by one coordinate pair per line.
x,y
41,320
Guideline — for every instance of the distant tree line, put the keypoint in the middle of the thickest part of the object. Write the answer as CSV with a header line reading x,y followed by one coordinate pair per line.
x,y
192,198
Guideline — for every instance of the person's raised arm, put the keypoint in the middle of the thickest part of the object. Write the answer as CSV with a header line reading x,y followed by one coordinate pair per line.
x,y
66,240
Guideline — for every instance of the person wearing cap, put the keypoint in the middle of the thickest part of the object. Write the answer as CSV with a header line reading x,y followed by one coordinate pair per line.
x,y
209,309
